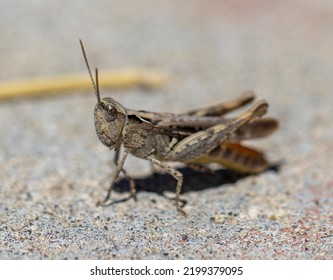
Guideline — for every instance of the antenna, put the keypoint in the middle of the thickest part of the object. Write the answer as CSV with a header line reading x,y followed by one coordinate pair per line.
x,y
95,85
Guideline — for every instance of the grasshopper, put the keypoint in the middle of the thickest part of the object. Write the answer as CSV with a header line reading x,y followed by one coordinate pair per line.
x,y
194,138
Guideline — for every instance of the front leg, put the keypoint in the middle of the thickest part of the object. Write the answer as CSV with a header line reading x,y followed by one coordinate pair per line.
x,y
129,178
119,168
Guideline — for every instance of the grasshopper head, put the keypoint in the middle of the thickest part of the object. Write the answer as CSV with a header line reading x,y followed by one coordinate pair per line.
x,y
110,116
110,121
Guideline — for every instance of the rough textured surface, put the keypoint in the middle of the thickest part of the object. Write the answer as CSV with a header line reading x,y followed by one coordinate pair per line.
x,y
53,168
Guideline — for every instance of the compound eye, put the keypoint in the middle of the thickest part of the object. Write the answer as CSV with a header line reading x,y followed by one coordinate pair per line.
x,y
110,113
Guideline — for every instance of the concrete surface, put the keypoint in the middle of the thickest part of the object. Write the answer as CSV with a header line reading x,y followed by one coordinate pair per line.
x,y
53,168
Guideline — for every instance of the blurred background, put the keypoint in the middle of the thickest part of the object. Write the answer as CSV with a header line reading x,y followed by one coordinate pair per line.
x,y
211,51
233,44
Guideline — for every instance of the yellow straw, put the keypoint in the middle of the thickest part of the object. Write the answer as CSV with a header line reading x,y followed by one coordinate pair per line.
x,y
62,84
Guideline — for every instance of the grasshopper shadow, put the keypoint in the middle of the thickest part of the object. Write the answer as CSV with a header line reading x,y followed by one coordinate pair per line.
x,y
193,181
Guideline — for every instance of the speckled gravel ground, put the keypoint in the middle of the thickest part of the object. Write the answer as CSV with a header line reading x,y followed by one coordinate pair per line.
x,y
53,168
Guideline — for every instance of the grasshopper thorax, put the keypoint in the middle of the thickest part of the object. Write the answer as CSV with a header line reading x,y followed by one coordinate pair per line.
x,y
110,121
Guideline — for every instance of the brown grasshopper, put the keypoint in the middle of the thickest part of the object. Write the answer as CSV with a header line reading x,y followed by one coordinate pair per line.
x,y
194,138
